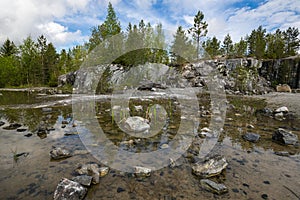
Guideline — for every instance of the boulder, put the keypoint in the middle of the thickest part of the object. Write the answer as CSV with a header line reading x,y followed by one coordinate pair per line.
x,y
251,137
136,124
283,88
210,167
2,123
58,153
285,137
211,186
69,190
68,78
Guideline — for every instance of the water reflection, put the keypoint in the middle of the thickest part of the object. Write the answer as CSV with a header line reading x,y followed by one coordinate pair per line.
x,y
36,176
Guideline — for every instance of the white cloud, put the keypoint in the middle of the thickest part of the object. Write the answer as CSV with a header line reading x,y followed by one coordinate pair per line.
x,y
271,15
35,17
59,34
66,22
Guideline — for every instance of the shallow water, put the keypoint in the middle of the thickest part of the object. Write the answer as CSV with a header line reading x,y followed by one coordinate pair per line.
x,y
253,172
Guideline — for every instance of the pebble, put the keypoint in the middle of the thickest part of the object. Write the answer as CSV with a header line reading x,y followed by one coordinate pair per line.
x,y
120,190
264,196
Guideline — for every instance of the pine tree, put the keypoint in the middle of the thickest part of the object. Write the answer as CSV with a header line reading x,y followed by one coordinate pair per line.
x,y
227,46
30,67
109,28
198,30
212,47
182,49
292,41
8,48
240,48
257,42
275,45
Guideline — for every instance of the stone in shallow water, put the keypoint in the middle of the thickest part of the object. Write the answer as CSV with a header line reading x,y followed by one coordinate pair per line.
x,y
12,126
59,153
28,135
93,170
251,137
2,123
47,109
83,180
210,167
69,190
282,153
136,124
142,171
21,129
283,109
103,171
285,137
211,186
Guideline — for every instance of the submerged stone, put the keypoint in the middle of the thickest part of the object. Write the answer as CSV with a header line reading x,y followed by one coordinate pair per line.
x,y
211,186
21,129
142,171
283,109
103,171
59,153
136,124
69,190
12,126
47,109
282,153
93,170
285,137
83,180
210,167
251,137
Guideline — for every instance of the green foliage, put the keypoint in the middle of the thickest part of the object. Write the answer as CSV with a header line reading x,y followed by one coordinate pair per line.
x,y
198,30
240,48
257,42
109,28
212,47
292,41
227,46
8,48
182,49
9,72
275,45
37,63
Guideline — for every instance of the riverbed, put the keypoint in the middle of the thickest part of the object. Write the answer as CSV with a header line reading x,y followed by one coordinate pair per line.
x,y
254,171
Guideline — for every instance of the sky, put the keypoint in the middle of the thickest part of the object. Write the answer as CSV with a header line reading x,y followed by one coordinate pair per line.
x,y
67,23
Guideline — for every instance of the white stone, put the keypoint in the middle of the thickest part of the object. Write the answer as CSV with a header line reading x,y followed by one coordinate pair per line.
x,y
205,129
142,171
138,108
282,109
137,124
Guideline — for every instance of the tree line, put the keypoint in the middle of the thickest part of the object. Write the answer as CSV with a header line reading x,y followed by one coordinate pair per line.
x,y
37,62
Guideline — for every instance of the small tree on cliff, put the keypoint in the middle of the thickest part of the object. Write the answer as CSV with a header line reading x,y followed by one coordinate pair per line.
x,y
198,30
212,47
227,46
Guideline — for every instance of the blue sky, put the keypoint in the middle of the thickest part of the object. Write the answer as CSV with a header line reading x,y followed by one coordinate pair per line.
x,y
68,22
